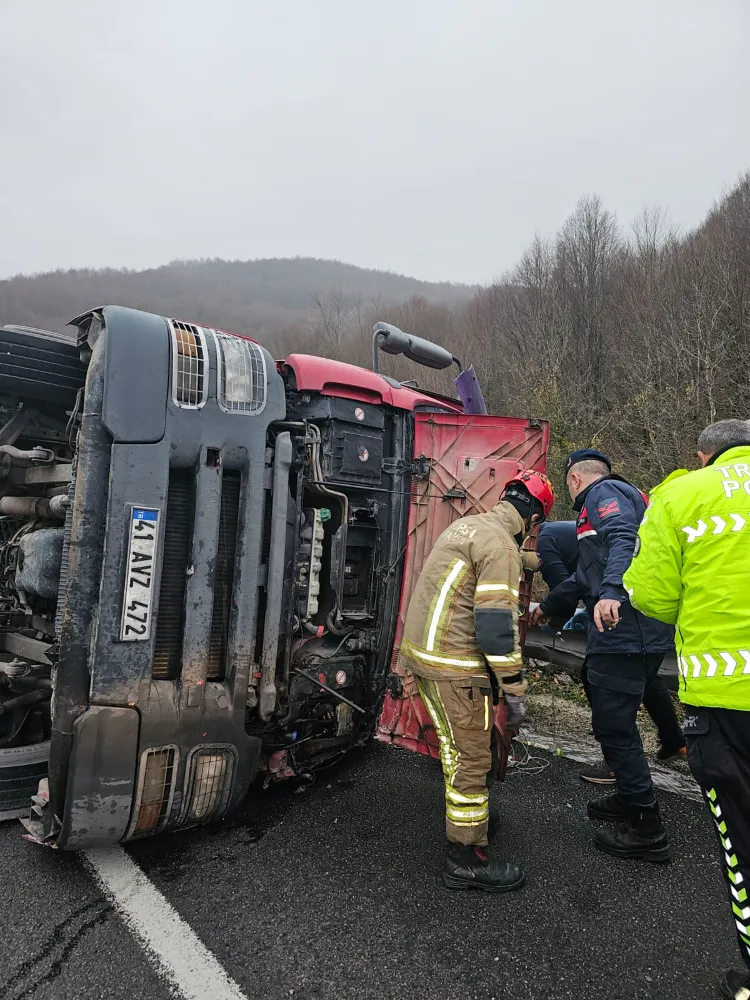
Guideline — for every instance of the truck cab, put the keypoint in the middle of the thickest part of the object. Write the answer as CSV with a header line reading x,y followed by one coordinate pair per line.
x,y
205,559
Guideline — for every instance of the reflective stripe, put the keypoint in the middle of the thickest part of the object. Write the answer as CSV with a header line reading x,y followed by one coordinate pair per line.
x,y
741,913
464,799
730,658
485,588
464,815
486,712
447,660
449,754
450,604
513,658
721,524
476,811
444,591
435,598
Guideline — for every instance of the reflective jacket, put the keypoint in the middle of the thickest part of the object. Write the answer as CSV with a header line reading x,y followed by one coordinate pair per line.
x,y
692,569
463,614
609,512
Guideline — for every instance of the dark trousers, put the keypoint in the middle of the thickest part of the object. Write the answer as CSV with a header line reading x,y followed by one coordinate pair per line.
x,y
658,703
617,684
718,741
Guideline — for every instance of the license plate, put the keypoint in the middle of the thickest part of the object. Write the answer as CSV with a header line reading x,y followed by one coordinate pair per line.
x,y
138,595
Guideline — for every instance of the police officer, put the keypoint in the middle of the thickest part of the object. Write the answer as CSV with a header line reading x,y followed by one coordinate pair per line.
x,y
460,636
692,570
624,650
557,546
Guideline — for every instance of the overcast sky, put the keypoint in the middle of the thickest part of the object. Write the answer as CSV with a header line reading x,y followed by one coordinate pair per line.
x,y
431,137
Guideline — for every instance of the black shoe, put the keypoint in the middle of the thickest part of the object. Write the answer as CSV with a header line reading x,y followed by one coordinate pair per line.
x,y
643,837
608,807
468,867
735,986
599,775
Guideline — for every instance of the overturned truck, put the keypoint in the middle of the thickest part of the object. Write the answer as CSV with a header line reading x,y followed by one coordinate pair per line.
x,y
205,557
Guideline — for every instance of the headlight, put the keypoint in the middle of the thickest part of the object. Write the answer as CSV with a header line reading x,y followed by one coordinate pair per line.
x,y
242,374
155,791
211,770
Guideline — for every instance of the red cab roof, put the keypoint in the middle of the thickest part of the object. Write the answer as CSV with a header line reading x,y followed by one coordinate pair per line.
x,y
335,378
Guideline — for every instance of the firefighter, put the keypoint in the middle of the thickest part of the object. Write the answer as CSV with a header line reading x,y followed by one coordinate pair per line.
x,y
692,570
460,641
557,546
624,650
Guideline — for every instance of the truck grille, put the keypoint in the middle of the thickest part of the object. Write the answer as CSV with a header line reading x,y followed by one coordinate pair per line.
x,y
189,365
225,559
177,536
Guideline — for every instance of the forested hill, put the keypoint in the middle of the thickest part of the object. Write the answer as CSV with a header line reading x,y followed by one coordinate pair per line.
x,y
259,296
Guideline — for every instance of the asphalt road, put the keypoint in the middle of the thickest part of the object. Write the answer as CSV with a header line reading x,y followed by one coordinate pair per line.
x,y
333,893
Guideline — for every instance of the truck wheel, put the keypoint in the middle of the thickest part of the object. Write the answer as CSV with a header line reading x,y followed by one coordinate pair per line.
x,y
21,770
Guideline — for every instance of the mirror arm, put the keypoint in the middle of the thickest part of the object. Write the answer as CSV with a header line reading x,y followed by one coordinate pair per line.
x,y
377,336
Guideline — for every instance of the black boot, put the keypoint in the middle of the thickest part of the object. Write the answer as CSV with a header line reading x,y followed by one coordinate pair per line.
x,y
643,836
608,807
468,867
735,986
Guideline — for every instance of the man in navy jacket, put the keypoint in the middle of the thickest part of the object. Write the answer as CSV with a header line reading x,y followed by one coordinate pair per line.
x,y
624,649
557,548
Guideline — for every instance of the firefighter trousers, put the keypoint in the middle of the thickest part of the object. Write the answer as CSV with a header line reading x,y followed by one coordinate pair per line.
x,y
463,714
718,742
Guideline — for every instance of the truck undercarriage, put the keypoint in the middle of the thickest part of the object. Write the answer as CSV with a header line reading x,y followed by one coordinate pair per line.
x,y
201,567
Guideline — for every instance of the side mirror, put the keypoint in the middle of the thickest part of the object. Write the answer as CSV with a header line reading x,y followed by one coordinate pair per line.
x,y
391,340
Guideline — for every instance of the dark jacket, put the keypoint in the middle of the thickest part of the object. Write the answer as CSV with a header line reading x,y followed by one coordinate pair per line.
x,y
557,548
609,513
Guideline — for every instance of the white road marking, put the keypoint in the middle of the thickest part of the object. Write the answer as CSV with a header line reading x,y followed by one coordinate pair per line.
x,y
184,960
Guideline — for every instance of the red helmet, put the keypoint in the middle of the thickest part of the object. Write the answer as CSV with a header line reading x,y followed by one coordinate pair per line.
x,y
537,485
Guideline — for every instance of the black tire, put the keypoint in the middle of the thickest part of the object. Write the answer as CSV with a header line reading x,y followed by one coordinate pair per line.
x,y
21,770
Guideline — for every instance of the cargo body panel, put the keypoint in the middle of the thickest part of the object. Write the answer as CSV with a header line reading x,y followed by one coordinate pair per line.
x,y
466,460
